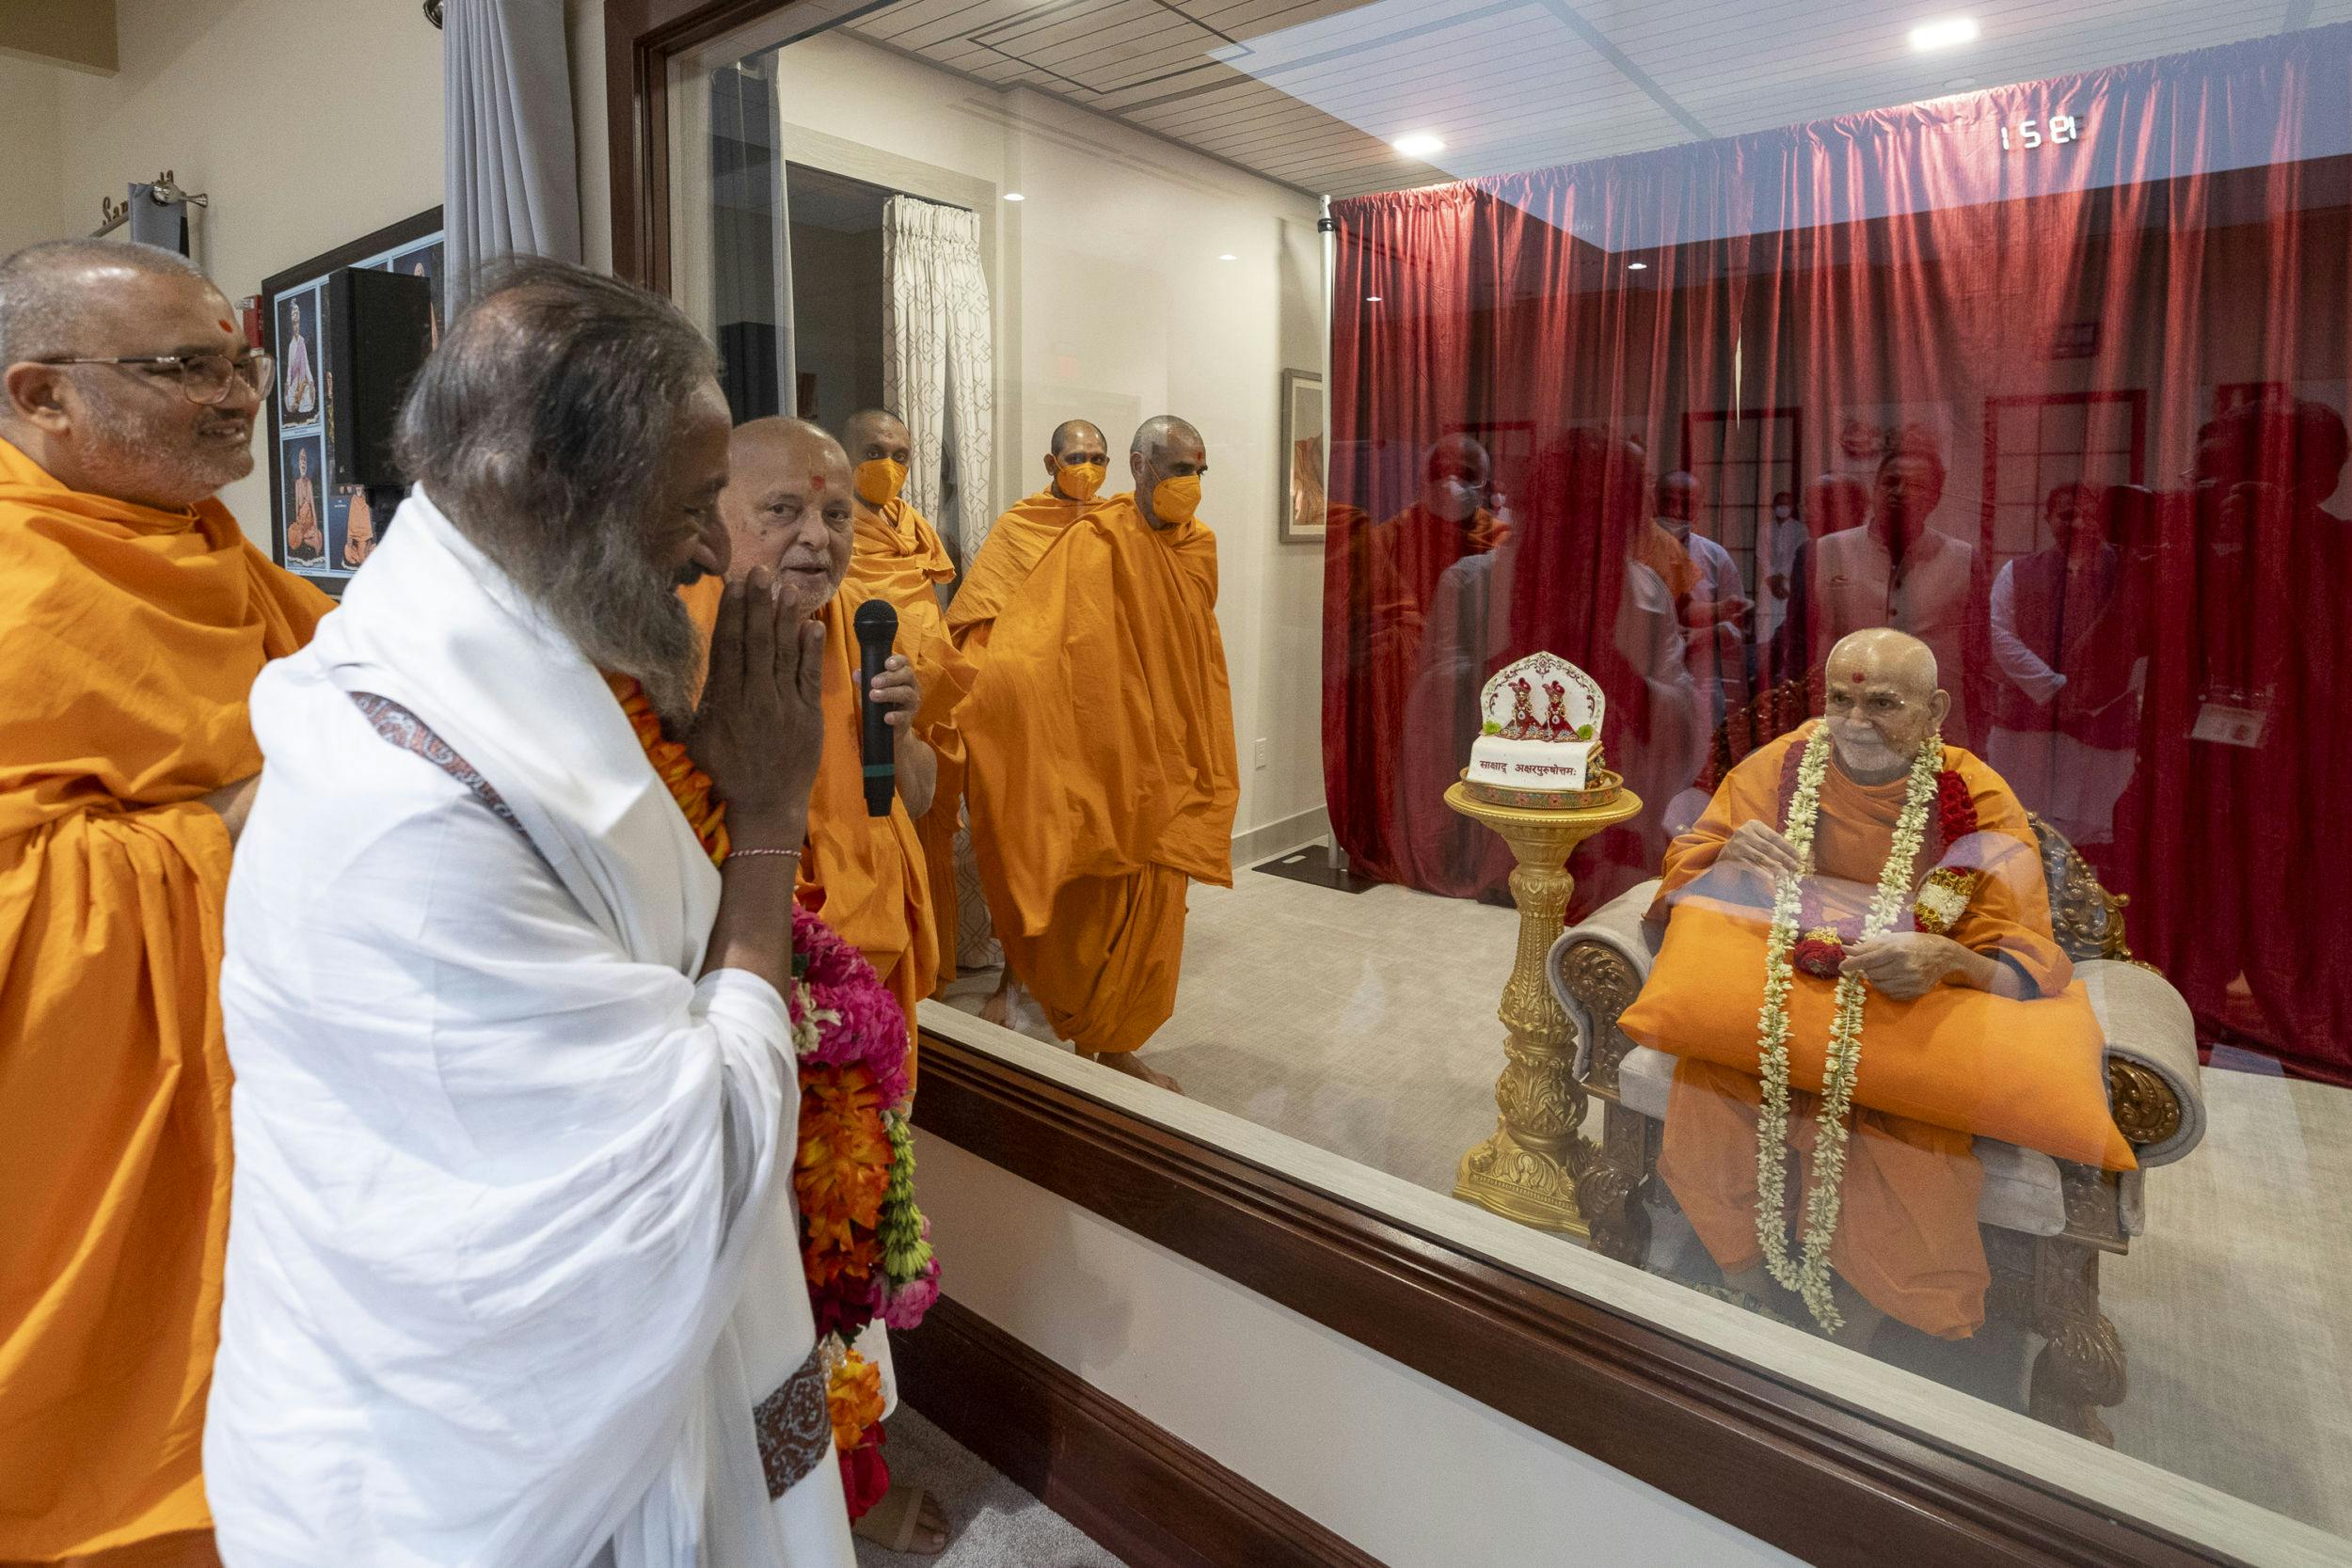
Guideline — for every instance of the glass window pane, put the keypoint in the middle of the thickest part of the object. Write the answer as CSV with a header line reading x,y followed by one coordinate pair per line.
x,y
1576,397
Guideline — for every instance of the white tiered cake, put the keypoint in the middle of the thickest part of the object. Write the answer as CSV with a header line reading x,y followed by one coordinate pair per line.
x,y
1540,741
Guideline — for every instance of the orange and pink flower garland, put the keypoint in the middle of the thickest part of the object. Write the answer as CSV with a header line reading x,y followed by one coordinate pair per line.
x,y
866,1245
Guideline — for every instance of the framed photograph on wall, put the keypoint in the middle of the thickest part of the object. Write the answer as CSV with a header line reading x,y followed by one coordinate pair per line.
x,y
1303,520
318,529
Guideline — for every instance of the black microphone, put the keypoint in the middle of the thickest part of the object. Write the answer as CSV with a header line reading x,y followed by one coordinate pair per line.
x,y
877,627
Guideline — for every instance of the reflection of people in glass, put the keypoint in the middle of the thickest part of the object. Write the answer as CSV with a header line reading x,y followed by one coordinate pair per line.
x,y
1398,565
1832,503
358,530
305,539
1713,609
2066,709
1570,578
1907,1244
1899,571
299,387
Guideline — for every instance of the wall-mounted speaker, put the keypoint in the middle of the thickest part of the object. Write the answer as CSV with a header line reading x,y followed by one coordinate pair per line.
x,y
378,329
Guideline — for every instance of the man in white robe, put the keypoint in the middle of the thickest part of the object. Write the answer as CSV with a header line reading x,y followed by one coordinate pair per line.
x,y
513,1274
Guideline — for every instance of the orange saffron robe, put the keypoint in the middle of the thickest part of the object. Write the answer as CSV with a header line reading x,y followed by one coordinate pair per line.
x,y
1908,1240
864,874
1103,770
896,557
991,583
128,644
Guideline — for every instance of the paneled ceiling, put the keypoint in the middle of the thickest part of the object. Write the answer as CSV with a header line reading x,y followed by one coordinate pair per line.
x,y
1311,92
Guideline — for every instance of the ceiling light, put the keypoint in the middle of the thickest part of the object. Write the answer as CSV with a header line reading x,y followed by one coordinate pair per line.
x,y
1420,143
1015,195
1637,266
1371,299
1944,33
1229,256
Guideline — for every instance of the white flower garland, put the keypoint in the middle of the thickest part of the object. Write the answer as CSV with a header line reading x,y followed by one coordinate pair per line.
x,y
1809,1276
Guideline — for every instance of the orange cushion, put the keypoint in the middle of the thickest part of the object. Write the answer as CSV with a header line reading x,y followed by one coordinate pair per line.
x,y
2025,1072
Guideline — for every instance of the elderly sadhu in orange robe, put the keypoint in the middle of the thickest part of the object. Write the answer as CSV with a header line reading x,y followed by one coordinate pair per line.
x,y
898,557
1075,465
137,617
1907,1245
1102,773
787,508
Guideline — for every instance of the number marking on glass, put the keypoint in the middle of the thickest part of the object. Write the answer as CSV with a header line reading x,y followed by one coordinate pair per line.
x,y
2062,129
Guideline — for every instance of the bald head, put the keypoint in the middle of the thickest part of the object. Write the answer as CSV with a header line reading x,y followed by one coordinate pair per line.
x,y
138,431
1881,702
1076,458
880,450
49,291
1454,479
1168,459
786,508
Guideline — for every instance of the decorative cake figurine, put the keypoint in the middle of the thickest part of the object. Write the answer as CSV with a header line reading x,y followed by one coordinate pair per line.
x,y
1548,761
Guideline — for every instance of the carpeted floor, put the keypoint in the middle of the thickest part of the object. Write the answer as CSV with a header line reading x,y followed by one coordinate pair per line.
x,y
1363,1023
992,1522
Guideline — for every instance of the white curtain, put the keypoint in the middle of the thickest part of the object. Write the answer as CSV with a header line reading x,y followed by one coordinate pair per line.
x,y
510,168
939,363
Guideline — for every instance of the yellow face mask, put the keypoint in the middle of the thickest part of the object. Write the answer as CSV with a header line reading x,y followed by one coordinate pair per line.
x,y
1079,481
1174,500
880,480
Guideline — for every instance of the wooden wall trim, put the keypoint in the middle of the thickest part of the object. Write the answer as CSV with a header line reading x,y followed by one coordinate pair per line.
x,y
1141,1492
1836,1485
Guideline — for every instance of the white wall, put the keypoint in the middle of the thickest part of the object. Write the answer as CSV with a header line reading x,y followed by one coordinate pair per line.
x,y
29,185
1404,1467
1112,305
308,124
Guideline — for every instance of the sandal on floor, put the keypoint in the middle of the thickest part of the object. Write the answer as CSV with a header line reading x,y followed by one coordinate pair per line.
x,y
893,1522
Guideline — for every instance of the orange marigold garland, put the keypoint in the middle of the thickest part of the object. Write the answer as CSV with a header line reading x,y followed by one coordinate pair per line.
x,y
865,1244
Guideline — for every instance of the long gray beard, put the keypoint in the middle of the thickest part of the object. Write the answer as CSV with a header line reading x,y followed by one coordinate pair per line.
x,y
625,616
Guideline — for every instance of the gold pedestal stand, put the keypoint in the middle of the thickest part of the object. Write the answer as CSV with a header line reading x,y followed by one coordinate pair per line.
x,y
1528,1170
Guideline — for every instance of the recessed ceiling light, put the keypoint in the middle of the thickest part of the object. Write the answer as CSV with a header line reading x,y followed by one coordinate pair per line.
x,y
1229,256
1637,266
1371,299
1015,195
1944,33
1420,143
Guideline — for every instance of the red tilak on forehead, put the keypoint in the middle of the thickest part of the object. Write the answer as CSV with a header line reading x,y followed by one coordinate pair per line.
x,y
1857,677
817,482
225,326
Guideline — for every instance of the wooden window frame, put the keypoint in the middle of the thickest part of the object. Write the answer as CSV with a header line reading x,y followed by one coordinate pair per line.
x,y
1836,1485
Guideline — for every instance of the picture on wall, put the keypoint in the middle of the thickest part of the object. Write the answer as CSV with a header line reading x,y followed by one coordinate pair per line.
x,y
298,357
1303,519
321,530
302,460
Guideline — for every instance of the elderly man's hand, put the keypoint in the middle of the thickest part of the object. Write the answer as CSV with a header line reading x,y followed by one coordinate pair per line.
x,y
897,692
1902,965
1759,847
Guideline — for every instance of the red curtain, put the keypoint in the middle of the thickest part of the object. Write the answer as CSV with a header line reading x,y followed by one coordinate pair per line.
x,y
2060,371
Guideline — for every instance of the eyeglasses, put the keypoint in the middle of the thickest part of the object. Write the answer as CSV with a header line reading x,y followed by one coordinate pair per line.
x,y
203,378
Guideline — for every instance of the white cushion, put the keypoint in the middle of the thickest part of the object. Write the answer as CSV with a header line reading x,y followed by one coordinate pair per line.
x,y
2021,1185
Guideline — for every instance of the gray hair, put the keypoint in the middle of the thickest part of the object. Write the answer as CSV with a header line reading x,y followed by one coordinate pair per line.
x,y
542,427
43,290
1152,435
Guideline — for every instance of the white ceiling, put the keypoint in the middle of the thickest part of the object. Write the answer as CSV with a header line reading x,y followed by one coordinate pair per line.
x,y
1310,92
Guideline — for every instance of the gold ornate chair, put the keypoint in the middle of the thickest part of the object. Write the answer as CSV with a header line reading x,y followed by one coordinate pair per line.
x,y
2045,1222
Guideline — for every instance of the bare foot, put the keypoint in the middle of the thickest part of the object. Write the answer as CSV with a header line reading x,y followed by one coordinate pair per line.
x,y
1125,1061
997,1009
